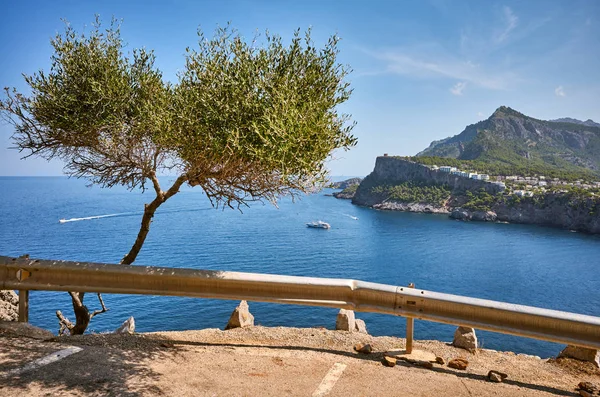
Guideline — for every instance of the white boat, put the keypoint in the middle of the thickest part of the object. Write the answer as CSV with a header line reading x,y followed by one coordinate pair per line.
x,y
319,225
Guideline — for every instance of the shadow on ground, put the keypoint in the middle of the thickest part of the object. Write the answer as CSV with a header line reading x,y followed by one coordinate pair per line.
x,y
99,369
117,365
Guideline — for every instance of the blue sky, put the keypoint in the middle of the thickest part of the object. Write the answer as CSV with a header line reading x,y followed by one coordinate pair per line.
x,y
423,70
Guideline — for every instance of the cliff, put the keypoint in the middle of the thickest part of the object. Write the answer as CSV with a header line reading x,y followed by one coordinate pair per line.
x,y
390,171
558,210
398,184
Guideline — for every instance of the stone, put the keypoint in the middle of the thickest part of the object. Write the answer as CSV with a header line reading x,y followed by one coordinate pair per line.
x,y
485,216
465,338
364,348
345,321
128,327
389,361
360,326
9,305
584,393
241,317
459,363
588,387
496,376
424,364
581,354
415,357
440,360
460,214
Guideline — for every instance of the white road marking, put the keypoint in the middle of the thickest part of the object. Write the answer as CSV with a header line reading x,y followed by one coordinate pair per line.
x,y
329,380
49,359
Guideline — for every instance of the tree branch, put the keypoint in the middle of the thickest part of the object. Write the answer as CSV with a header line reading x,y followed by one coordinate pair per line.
x,y
155,183
103,310
64,323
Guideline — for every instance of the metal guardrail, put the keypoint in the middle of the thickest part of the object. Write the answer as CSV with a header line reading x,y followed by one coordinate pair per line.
x,y
550,325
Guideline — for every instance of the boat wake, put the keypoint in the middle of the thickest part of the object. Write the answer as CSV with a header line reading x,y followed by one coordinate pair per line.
x,y
164,211
88,218
351,216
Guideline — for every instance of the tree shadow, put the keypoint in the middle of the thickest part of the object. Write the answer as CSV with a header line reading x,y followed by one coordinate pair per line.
x,y
118,365
374,357
99,369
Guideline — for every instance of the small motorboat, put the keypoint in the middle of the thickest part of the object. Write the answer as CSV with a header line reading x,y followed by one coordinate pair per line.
x,y
319,225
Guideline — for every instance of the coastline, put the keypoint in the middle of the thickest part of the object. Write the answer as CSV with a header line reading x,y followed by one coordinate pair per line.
x,y
394,182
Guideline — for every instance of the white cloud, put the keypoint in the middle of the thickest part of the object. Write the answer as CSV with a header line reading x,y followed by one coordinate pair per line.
x,y
458,88
560,91
480,114
511,21
431,61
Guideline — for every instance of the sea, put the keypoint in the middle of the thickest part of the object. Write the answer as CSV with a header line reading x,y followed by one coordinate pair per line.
x,y
523,264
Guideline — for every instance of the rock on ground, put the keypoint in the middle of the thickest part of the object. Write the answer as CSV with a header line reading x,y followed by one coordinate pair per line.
x,y
9,305
128,327
364,348
389,361
465,338
496,376
241,317
360,326
582,354
459,363
345,321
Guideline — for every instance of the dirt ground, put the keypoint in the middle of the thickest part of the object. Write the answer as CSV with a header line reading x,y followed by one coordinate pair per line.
x,y
259,361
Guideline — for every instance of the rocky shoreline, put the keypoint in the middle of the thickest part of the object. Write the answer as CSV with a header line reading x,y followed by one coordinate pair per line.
x,y
551,209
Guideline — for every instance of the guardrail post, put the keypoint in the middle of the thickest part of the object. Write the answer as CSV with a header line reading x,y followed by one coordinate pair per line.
x,y
410,328
24,306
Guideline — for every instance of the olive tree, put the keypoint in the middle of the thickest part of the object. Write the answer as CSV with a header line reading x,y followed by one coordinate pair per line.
x,y
245,120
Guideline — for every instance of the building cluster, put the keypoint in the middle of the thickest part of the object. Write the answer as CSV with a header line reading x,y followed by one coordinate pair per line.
x,y
464,174
528,185
468,175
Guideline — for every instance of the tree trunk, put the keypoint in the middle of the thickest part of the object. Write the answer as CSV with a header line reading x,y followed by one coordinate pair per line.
x,y
149,210
82,319
82,314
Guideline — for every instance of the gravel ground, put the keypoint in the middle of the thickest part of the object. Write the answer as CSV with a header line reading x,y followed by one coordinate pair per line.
x,y
260,361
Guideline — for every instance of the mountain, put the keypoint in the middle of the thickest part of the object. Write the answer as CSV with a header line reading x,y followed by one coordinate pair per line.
x,y
509,137
588,122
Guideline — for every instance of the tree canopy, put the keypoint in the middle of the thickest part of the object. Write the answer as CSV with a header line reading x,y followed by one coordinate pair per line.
x,y
245,120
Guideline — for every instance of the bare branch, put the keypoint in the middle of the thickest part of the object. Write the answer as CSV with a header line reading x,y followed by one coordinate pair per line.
x,y
64,323
103,310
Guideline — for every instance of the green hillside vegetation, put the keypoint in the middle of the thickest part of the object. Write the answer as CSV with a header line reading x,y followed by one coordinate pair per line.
x,y
350,189
481,200
414,192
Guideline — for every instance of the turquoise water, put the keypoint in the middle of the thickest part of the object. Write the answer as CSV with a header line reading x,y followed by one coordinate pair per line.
x,y
528,265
